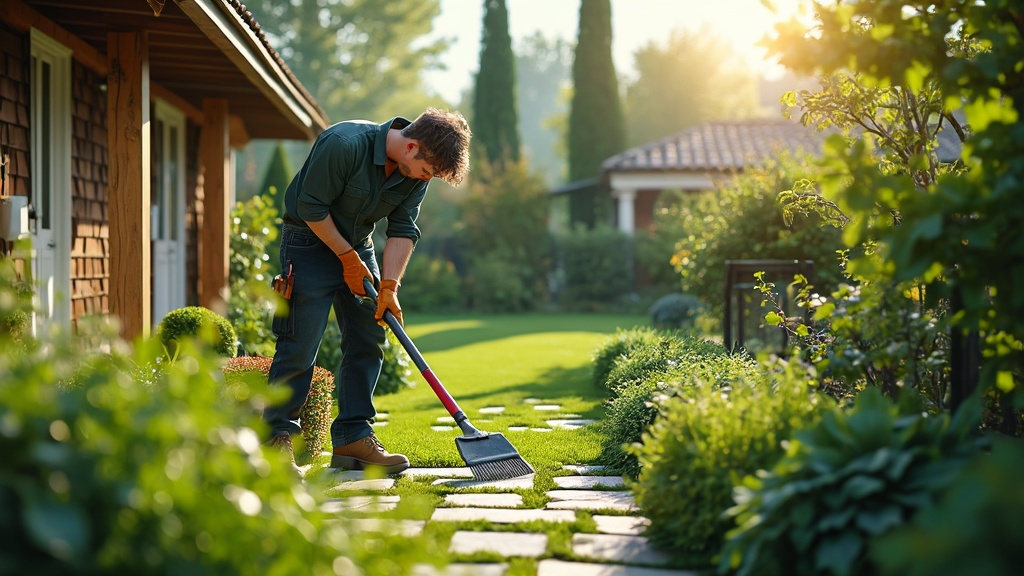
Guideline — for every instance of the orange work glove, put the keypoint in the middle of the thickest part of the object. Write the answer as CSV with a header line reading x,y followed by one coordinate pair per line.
x,y
387,300
355,271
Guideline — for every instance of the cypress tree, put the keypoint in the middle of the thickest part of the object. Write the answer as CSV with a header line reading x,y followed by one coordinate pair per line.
x,y
279,175
596,124
496,123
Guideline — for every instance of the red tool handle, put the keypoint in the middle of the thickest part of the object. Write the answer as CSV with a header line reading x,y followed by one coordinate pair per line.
x,y
449,403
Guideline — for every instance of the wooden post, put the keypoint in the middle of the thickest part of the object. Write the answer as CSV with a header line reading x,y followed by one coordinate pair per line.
x,y
215,157
129,181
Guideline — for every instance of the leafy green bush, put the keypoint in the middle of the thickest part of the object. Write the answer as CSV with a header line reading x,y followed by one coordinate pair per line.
x,y
197,322
495,283
315,416
673,354
430,285
253,262
638,378
744,220
595,269
395,373
674,311
705,438
127,463
843,483
976,527
619,345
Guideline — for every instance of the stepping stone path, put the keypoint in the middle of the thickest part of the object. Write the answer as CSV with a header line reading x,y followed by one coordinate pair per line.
x,y
617,549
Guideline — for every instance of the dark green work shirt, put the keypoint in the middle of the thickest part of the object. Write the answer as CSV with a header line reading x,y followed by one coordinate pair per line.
x,y
343,177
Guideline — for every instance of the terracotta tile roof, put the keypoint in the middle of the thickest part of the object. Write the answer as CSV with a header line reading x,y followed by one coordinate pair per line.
x,y
732,145
716,146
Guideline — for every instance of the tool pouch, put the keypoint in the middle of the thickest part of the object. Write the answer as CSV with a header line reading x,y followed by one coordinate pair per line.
x,y
283,284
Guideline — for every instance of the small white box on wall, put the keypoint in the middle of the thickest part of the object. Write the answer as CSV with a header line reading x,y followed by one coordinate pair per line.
x,y
13,217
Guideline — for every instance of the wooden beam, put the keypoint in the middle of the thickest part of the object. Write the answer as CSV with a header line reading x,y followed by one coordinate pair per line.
x,y
215,161
128,137
238,136
194,114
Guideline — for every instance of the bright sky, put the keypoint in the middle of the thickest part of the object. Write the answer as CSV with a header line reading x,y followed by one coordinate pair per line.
x,y
635,23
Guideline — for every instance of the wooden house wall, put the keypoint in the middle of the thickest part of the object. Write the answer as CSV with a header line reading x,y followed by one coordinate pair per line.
x,y
90,237
14,116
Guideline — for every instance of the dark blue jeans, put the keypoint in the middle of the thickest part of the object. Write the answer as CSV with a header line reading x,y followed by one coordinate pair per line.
x,y
320,285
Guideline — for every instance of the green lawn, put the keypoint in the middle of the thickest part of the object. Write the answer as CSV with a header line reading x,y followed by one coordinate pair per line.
x,y
502,360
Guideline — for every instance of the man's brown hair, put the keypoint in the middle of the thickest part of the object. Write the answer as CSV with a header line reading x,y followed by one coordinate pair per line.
x,y
443,137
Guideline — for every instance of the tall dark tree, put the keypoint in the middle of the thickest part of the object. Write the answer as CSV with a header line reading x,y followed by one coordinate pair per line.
x,y
495,121
596,124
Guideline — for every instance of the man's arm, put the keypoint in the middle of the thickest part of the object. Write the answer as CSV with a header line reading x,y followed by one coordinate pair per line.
x,y
328,233
397,252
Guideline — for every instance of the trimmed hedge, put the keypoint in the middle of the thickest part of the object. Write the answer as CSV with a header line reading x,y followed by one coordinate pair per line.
x,y
316,415
197,322
703,440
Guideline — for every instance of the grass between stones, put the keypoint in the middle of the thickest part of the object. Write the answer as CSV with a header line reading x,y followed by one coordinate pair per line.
x,y
513,361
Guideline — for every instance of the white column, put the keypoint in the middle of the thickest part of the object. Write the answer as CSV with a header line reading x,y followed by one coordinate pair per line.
x,y
627,212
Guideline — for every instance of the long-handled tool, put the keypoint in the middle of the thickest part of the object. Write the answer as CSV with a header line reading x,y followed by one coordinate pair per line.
x,y
489,455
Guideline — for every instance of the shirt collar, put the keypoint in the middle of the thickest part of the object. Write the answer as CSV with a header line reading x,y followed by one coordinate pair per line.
x,y
380,144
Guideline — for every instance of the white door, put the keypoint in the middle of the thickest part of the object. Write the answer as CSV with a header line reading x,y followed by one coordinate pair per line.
x,y
50,85
167,210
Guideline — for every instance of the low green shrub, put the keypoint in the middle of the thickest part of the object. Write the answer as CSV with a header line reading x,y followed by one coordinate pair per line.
x,y
197,322
619,345
315,416
126,463
663,366
705,438
674,311
974,529
595,265
255,243
495,283
430,285
671,354
842,484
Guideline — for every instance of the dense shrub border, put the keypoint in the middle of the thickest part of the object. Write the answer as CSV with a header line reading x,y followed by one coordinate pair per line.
x,y
316,414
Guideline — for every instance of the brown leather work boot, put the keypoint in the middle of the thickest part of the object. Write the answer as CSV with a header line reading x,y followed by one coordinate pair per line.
x,y
367,452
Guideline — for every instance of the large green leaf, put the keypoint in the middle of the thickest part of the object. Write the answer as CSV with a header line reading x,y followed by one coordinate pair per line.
x,y
837,553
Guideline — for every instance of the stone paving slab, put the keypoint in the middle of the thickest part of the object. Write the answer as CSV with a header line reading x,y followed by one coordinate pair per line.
x,y
583,469
492,410
501,515
485,500
507,544
584,482
523,482
591,500
569,424
617,548
406,528
360,504
463,472
442,428
563,568
374,485
458,569
547,407
625,525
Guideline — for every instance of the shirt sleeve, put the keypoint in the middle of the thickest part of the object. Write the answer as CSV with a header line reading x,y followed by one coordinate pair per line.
x,y
324,179
402,220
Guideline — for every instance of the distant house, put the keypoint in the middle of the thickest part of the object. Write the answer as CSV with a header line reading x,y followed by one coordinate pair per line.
x,y
699,158
118,119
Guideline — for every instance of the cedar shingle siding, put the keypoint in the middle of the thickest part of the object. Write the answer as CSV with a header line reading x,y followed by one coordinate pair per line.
x,y
90,238
14,135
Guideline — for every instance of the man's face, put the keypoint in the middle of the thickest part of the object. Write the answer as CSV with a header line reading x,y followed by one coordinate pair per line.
x,y
415,165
